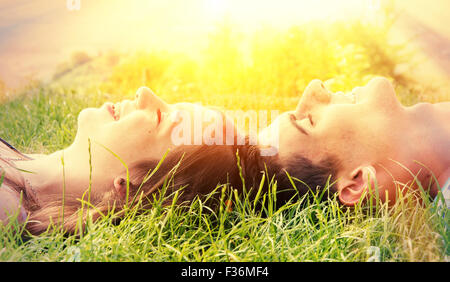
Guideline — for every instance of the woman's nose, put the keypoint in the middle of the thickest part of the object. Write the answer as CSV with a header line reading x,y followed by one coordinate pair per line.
x,y
145,98
314,94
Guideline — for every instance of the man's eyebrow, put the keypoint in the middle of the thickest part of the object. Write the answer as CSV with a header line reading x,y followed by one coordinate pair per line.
x,y
301,129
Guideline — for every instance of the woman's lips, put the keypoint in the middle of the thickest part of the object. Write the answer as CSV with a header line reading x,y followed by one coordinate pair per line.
x,y
112,109
109,107
116,110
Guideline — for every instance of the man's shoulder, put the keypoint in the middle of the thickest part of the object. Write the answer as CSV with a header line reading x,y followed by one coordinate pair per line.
x,y
445,192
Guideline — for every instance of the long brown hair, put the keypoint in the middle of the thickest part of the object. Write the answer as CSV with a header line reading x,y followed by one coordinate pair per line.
x,y
192,171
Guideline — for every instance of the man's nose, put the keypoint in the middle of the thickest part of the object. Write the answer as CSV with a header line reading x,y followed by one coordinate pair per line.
x,y
315,93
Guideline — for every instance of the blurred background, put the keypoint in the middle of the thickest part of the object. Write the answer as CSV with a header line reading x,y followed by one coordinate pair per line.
x,y
225,52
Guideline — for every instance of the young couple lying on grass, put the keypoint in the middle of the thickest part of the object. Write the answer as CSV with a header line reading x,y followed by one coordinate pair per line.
x,y
355,145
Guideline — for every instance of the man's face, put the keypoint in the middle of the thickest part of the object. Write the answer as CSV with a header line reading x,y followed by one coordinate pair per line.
x,y
355,128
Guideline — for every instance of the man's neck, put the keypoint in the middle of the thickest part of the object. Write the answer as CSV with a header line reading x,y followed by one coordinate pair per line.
x,y
429,152
442,179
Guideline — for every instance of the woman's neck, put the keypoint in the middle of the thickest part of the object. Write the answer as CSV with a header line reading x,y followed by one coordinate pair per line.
x,y
75,168
48,174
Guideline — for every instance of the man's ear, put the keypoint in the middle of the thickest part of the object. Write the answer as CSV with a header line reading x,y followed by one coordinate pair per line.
x,y
354,186
120,184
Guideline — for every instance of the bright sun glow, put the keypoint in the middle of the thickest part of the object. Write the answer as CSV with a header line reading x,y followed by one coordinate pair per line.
x,y
148,24
187,21
287,12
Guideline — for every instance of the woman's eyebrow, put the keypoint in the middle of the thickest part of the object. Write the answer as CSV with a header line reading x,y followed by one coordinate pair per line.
x,y
301,129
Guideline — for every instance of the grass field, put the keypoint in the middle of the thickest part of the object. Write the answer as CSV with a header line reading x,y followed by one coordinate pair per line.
x,y
262,71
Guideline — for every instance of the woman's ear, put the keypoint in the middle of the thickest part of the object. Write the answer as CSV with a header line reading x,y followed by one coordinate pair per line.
x,y
120,185
353,187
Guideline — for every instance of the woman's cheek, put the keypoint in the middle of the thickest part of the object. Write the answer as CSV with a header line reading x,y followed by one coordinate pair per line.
x,y
132,134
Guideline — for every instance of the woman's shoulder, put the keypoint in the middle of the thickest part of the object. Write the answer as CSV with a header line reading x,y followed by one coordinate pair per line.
x,y
8,170
10,205
12,184
8,152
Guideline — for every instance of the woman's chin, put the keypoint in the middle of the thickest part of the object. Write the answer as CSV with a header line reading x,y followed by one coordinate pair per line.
x,y
83,117
87,120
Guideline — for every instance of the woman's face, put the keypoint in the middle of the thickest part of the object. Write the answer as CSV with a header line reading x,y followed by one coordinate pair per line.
x,y
138,129
355,128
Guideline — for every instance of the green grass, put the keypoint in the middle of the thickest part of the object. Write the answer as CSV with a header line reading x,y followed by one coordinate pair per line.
x,y
300,231
44,122
275,68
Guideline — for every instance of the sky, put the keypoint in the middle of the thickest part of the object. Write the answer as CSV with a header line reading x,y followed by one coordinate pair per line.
x,y
36,35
